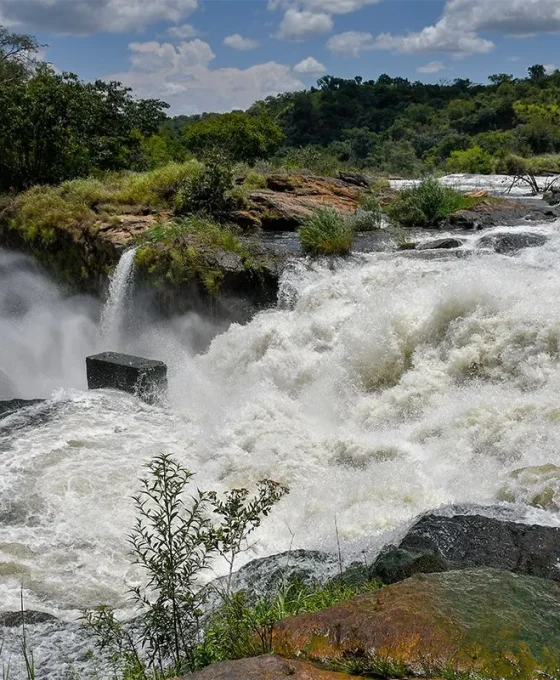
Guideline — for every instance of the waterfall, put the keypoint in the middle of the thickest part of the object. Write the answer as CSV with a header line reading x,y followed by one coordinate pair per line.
x,y
120,289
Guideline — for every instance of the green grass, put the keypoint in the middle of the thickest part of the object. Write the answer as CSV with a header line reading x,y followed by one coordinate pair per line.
x,y
180,251
428,204
371,215
242,627
326,232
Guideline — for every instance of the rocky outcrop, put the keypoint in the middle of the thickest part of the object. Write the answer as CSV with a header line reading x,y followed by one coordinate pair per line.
x,y
440,244
510,242
438,543
481,620
267,667
499,212
289,199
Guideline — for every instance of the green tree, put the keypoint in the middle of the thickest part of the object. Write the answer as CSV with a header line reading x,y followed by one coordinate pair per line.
x,y
18,53
241,136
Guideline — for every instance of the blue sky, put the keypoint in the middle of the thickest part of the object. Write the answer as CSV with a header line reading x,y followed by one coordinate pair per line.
x,y
202,55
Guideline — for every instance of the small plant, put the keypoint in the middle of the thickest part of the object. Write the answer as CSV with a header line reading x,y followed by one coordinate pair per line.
x,y
370,215
174,541
427,204
326,232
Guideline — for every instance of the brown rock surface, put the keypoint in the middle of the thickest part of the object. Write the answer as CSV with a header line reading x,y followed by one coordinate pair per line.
x,y
289,199
266,668
485,620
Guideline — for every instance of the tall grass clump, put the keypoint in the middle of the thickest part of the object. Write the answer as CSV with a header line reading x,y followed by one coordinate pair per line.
x,y
427,204
326,232
157,187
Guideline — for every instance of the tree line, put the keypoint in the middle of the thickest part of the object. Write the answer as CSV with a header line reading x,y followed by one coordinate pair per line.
x,y
55,127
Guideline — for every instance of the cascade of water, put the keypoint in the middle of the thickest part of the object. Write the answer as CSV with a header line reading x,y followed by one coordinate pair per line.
x,y
120,289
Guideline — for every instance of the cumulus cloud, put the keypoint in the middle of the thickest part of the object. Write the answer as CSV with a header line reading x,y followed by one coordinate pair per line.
x,y
238,42
458,31
300,25
351,43
182,76
183,32
432,67
310,67
89,16
550,69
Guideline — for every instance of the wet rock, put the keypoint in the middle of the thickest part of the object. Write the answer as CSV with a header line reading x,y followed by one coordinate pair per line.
x,y
245,220
552,196
511,242
502,624
267,667
263,576
13,405
14,619
501,213
436,543
440,244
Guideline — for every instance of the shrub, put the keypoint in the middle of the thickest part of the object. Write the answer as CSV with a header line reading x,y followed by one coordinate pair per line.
x,y
326,232
370,215
427,204
314,159
474,161
206,191
157,187
175,540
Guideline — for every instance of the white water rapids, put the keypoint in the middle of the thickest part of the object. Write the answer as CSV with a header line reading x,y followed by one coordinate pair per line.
x,y
391,385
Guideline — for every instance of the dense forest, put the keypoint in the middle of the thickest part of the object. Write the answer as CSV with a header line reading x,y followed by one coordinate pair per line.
x,y
55,127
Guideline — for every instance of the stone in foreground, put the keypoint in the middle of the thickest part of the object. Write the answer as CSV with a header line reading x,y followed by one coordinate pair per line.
x,y
145,378
266,668
489,621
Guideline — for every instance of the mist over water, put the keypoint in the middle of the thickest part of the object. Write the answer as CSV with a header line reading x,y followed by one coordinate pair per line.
x,y
385,386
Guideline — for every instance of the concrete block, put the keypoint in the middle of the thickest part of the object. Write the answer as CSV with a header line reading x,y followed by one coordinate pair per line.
x,y
145,378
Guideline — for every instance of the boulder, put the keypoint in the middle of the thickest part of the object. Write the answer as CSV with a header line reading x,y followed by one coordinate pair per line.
x,y
499,213
263,576
438,543
30,618
440,244
356,178
510,242
552,196
480,620
267,667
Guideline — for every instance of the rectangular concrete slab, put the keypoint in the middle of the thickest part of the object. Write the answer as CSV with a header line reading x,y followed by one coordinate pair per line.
x,y
145,378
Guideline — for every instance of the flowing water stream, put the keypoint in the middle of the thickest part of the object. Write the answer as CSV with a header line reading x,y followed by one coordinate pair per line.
x,y
382,387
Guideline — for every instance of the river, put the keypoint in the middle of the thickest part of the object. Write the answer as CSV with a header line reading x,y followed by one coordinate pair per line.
x,y
378,388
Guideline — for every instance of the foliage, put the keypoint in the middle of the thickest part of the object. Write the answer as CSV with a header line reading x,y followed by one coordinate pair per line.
x,y
475,161
238,135
207,191
243,626
54,126
370,215
427,204
326,232
314,159
174,541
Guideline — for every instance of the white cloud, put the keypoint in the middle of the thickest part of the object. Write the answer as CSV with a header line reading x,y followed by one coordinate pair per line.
x,y
350,43
550,69
310,67
184,31
432,67
182,76
458,31
328,6
301,25
238,42
89,16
